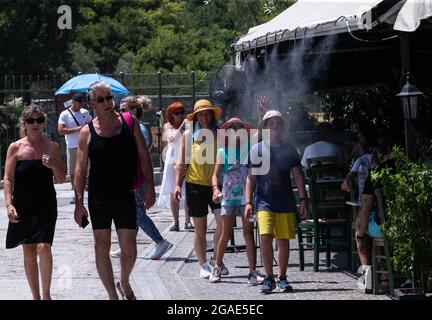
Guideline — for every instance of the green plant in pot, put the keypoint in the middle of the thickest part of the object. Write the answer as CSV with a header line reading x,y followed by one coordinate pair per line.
x,y
408,224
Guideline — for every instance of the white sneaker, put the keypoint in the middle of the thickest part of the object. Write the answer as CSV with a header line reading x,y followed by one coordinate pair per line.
x,y
161,249
205,271
115,253
255,278
224,269
364,283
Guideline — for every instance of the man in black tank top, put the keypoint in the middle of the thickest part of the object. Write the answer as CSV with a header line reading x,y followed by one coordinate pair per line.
x,y
112,150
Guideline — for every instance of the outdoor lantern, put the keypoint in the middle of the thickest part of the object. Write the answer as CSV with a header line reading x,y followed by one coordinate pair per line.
x,y
409,96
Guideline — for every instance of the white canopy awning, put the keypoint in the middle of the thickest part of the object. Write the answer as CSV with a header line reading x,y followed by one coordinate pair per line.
x,y
412,13
311,18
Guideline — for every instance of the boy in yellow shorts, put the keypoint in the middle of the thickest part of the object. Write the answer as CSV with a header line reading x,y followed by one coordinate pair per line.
x,y
275,203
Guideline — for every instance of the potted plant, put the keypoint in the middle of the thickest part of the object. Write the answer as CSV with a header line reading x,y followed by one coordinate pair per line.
x,y
408,224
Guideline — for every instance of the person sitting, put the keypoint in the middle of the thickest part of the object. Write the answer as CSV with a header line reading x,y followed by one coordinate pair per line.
x,y
324,147
357,149
362,165
367,222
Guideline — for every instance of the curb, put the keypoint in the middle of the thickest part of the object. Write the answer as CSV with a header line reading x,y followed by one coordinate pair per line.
x,y
147,276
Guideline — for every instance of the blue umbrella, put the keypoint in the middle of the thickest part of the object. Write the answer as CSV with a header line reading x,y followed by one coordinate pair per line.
x,y
82,82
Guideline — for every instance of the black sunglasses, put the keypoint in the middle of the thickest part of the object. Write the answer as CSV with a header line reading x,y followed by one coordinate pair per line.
x,y
37,120
102,99
177,113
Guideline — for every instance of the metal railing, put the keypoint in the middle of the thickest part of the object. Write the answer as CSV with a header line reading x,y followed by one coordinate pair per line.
x,y
163,88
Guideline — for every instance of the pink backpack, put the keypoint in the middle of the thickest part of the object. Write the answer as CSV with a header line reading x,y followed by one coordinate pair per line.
x,y
139,176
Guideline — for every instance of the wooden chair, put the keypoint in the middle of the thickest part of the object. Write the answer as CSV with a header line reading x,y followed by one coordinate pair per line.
x,y
328,212
381,257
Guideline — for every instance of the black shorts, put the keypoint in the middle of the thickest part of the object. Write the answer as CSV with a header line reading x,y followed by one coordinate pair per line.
x,y
122,210
198,199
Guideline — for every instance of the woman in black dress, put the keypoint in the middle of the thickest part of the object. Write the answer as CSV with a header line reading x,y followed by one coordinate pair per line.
x,y
31,163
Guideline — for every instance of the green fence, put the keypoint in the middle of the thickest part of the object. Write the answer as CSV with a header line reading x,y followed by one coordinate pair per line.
x,y
163,88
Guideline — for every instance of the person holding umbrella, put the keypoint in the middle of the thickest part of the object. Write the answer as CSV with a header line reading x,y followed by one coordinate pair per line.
x,y
70,122
109,144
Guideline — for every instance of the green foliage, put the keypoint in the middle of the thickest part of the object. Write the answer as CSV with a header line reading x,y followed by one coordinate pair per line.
x,y
82,59
137,35
409,222
368,104
31,42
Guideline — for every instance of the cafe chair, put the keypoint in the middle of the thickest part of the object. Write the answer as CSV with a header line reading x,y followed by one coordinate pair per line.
x,y
328,229
381,256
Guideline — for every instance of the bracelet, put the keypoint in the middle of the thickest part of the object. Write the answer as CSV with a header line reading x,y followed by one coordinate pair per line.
x,y
249,203
214,187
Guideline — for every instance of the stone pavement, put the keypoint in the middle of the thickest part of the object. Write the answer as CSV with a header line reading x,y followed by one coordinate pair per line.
x,y
175,276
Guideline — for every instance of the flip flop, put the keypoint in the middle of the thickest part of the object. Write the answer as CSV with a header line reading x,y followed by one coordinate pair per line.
x,y
120,290
189,226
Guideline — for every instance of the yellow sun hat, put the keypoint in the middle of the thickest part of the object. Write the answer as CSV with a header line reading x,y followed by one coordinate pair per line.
x,y
202,105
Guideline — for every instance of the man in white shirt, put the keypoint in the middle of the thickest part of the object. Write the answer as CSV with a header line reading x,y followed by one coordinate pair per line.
x,y
324,147
70,123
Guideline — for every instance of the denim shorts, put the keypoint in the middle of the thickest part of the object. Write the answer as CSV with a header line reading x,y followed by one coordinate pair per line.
x,y
232,211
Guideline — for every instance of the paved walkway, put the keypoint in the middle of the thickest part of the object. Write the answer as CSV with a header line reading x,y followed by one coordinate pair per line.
x,y
176,276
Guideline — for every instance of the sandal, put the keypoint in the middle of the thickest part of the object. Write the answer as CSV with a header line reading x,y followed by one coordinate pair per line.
x,y
175,228
189,226
120,290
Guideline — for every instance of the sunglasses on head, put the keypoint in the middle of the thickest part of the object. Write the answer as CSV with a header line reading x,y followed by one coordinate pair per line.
x,y
108,98
37,120
177,113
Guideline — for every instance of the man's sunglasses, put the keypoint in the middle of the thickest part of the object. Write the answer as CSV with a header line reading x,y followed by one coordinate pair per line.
x,y
37,120
102,99
177,113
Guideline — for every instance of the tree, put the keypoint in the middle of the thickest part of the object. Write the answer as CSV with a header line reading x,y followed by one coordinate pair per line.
x,y
82,59
31,41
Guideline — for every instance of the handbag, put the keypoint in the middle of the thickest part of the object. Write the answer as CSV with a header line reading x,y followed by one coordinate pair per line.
x,y
139,175
373,229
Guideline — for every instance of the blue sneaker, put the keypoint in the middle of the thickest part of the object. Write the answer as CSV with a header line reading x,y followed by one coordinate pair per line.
x,y
268,285
283,285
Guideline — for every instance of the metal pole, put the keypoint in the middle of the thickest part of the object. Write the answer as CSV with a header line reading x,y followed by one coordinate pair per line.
x,y
406,137
159,133
193,87
122,78
406,66
1,162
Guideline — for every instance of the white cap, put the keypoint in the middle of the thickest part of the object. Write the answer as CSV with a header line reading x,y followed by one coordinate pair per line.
x,y
270,114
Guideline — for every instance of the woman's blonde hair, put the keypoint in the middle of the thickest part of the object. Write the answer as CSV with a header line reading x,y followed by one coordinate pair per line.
x,y
145,103
26,114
